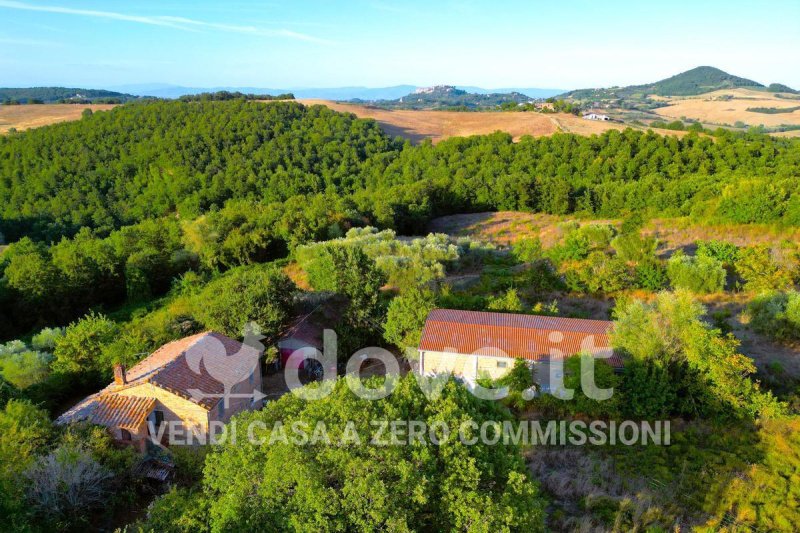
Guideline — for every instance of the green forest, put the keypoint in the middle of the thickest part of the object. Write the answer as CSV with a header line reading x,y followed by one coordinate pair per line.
x,y
158,219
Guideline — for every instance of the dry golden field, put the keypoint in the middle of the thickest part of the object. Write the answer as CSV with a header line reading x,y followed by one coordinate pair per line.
x,y
506,227
23,117
438,125
709,108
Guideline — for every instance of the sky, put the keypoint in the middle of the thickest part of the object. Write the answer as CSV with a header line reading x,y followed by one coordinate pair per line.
x,y
377,43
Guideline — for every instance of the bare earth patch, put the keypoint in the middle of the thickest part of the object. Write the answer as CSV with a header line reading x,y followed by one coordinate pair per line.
x,y
23,117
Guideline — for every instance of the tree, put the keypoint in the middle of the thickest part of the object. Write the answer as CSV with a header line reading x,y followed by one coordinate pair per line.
x,y
356,276
260,294
24,432
80,349
509,302
280,485
406,316
707,373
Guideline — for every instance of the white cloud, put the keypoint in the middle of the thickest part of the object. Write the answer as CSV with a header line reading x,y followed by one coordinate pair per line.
x,y
181,23
27,42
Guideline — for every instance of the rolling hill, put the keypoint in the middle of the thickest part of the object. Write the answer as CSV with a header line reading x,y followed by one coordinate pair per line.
x,y
698,80
369,94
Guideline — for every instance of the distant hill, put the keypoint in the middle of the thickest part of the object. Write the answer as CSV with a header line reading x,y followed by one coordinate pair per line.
x,y
449,97
692,82
367,94
51,95
781,88
161,90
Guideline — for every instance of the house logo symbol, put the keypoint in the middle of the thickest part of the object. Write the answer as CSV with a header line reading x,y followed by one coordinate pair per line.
x,y
212,357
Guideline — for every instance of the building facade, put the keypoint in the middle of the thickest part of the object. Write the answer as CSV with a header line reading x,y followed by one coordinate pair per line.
x,y
472,345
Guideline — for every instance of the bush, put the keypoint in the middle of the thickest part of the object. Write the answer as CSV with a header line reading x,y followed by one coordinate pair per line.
x,y
634,248
599,273
725,252
760,271
581,404
708,375
599,236
527,250
776,314
651,275
696,274
508,302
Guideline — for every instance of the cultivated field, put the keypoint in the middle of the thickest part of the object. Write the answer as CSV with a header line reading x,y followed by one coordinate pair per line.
x,y
22,117
713,108
438,125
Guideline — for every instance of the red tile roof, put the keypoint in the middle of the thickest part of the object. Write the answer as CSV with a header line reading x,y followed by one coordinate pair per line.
x,y
111,410
202,362
531,337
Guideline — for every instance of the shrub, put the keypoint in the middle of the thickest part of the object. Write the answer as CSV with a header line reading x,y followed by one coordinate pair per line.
x,y
776,314
725,252
598,235
651,275
633,247
508,302
527,250
708,374
575,247
696,274
599,273
404,263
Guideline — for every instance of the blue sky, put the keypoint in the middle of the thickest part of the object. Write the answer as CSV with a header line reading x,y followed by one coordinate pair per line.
x,y
312,43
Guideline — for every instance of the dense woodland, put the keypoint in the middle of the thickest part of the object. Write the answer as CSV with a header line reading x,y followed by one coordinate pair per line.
x,y
134,227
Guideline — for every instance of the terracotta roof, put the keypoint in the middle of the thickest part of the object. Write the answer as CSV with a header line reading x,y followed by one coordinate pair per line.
x,y
195,368
111,410
201,363
528,337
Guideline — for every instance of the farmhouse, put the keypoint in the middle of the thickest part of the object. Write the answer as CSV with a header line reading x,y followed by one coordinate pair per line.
x,y
196,381
596,116
473,344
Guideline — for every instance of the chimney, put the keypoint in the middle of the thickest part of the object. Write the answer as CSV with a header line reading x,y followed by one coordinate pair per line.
x,y
119,374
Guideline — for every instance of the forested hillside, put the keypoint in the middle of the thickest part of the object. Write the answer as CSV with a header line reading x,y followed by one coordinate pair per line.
x,y
110,208
698,80
147,160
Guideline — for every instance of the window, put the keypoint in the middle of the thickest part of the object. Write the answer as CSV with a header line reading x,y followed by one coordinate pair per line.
x,y
126,435
158,418
221,408
502,364
252,375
